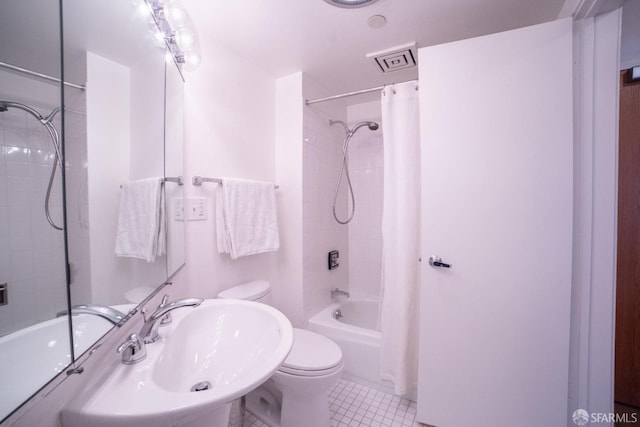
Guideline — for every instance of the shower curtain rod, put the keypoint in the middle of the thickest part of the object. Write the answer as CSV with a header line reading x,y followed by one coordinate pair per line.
x,y
40,75
344,95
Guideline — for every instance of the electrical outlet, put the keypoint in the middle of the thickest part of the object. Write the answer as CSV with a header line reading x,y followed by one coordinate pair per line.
x,y
197,209
178,211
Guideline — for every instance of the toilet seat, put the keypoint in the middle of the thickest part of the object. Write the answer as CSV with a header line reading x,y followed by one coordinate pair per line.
x,y
312,355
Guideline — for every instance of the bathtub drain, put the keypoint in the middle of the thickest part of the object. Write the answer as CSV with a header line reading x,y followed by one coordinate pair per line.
x,y
201,386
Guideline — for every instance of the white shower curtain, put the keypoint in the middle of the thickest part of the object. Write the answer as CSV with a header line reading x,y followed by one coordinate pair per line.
x,y
399,320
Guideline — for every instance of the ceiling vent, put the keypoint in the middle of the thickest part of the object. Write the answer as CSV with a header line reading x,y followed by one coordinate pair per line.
x,y
396,58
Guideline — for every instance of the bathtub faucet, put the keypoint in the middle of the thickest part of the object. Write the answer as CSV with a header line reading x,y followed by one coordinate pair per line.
x,y
335,293
111,314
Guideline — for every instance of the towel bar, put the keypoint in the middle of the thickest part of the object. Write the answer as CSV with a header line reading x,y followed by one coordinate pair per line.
x,y
198,180
177,179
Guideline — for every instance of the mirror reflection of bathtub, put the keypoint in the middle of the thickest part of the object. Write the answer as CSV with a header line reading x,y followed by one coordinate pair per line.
x,y
31,356
358,335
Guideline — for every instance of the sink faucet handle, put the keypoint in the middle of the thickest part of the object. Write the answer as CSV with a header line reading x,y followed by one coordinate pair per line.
x,y
133,350
166,319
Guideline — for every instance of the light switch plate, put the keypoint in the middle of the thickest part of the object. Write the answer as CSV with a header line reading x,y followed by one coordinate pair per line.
x,y
197,209
178,209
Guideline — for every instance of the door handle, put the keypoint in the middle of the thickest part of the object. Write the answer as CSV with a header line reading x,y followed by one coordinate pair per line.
x,y
436,261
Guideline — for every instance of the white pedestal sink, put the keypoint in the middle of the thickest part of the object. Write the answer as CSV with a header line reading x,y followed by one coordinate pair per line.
x,y
226,347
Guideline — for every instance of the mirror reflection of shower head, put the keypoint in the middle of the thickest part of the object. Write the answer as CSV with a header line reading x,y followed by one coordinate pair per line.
x,y
47,122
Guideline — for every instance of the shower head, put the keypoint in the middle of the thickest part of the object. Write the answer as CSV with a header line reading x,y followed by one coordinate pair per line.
x,y
5,105
370,125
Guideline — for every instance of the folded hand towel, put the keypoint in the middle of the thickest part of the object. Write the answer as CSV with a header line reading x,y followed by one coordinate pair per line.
x,y
141,229
246,220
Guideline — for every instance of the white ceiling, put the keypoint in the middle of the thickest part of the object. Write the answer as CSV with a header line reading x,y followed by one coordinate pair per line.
x,y
330,44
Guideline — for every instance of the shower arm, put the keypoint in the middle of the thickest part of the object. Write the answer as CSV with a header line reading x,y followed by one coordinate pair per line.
x,y
47,122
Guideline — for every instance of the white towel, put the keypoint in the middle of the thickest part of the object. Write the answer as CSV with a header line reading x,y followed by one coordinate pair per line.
x,y
141,228
246,219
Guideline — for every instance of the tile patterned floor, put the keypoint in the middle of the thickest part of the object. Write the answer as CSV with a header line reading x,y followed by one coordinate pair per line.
x,y
356,405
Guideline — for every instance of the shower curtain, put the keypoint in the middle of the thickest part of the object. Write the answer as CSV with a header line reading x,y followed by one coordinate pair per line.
x,y
399,320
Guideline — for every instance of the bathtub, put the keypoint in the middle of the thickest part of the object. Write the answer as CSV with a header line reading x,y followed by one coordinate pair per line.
x,y
31,357
358,336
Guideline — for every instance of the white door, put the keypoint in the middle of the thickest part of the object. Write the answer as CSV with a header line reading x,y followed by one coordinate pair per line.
x,y
497,170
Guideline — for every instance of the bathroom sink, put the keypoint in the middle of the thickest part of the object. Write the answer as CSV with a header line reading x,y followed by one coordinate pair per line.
x,y
207,357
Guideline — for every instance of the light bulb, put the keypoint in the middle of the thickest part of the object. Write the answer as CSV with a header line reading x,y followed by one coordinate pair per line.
x,y
158,36
185,39
193,59
176,15
143,10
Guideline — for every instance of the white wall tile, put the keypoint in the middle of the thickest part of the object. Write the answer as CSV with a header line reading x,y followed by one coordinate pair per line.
x,y
322,157
26,156
365,235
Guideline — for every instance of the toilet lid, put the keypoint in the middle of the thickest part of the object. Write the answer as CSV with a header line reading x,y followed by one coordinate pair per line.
x,y
250,291
311,352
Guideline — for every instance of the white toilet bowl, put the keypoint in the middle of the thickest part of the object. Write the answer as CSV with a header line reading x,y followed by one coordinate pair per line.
x,y
312,368
297,393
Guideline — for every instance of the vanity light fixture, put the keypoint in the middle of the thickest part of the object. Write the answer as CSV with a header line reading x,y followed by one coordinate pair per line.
x,y
350,4
176,30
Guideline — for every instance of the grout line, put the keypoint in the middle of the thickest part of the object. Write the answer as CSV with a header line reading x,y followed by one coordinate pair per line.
x,y
353,405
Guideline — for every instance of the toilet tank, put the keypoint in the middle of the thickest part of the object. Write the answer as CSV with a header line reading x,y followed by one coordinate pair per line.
x,y
258,290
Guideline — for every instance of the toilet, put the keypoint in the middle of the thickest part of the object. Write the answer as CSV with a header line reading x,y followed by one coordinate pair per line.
x,y
297,394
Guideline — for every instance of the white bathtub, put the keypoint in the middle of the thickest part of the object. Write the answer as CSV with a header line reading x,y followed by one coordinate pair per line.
x,y
357,335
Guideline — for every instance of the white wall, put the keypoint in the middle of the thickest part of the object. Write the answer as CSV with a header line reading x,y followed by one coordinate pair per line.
x,y
596,58
229,131
366,163
146,149
124,107
108,104
288,158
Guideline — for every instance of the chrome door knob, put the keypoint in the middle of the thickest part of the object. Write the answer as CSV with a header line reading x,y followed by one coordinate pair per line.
x,y
436,261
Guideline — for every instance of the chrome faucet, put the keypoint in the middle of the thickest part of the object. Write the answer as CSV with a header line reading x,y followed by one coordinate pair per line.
x,y
111,314
335,292
133,350
149,331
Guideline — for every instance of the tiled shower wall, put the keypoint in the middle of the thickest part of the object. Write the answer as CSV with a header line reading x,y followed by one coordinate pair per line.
x,y
366,161
321,233
360,241
31,251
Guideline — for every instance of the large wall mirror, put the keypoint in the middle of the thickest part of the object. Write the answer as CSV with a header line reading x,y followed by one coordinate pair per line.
x,y
66,154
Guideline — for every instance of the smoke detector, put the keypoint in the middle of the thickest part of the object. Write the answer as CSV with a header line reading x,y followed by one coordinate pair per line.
x,y
396,58
350,4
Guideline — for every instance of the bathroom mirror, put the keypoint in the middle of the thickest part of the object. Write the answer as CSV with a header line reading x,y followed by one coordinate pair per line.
x,y
173,142
32,259
116,129
126,126
112,131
